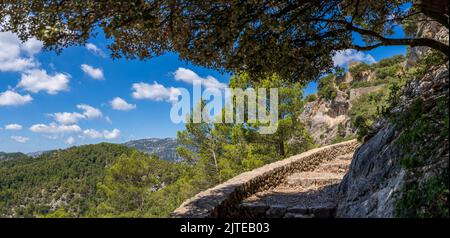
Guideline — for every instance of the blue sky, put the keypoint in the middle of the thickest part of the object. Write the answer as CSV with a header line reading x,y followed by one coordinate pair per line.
x,y
50,101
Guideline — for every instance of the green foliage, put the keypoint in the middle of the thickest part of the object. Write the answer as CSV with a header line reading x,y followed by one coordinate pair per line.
x,y
29,185
282,37
343,86
388,62
367,109
427,200
221,151
340,139
326,88
370,107
387,71
311,98
358,70
130,181
423,141
7,156
59,213
425,121
425,63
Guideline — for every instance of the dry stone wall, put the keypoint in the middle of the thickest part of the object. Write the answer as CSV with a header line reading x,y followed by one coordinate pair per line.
x,y
224,199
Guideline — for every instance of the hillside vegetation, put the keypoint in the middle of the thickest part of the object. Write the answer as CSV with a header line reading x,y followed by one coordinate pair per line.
x,y
67,180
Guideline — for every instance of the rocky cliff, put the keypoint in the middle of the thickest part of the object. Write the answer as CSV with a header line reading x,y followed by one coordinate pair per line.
x,y
328,120
402,169
165,148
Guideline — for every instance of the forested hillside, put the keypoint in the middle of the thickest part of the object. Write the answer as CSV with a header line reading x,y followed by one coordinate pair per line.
x,y
66,180
7,156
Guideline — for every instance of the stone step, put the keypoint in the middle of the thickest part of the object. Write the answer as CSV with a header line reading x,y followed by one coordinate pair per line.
x,y
307,179
335,166
295,215
345,157
258,210
326,210
253,210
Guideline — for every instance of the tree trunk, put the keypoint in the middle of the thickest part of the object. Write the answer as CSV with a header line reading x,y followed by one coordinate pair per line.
x,y
215,164
281,149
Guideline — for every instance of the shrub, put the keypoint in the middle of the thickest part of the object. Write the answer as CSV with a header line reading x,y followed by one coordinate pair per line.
x,y
358,69
367,109
326,88
396,59
311,98
343,86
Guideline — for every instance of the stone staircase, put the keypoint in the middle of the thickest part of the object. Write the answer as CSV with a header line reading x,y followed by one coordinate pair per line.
x,y
301,186
310,194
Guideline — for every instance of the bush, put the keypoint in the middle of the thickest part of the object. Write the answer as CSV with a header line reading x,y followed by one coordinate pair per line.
x,y
384,72
343,86
358,69
326,88
311,98
396,59
367,109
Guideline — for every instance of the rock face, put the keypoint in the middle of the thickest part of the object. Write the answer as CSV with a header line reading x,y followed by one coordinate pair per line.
x,y
428,29
375,179
328,119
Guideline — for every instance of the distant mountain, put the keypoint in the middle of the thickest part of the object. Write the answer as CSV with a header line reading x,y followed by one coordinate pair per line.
x,y
165,149
39,153
8,156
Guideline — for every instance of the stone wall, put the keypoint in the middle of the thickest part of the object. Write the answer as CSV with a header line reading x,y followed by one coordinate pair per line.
x,y
223,200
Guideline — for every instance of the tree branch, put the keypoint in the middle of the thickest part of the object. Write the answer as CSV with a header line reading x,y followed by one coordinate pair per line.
x,y
432,43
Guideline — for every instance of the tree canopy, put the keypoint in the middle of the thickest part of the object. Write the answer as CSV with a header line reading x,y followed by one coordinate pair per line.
x,y
295,39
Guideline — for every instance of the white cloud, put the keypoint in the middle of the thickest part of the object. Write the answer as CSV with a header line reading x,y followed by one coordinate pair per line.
x,y
93,134
109,135
70,140
343,57
114,134
189,76
11,98
108,120
54,128
95,50
13,127
12,51
121,105
18,56
20,139
52,137
32,46
38,80
155,91
90,112
67,118
95,73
